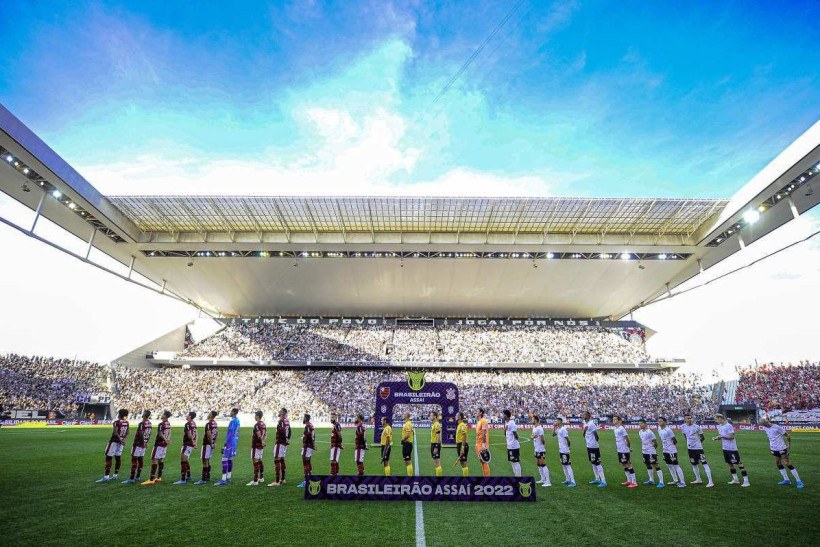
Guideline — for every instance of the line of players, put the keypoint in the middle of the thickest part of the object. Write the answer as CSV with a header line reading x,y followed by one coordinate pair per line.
x,y
779,442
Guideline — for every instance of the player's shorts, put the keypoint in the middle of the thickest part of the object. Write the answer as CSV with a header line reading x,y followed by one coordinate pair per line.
x,y
335,452
359,455
406,450
670,458
696,456
158,453
113,449
187,450
625,458
780,453
257,453
565,458
280,450
539,454
731,457
137,451
484,456
435,450
307,452
386,453
650,460
462,449
207,451
513,455
594,455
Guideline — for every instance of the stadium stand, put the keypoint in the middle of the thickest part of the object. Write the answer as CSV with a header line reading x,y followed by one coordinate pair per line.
x,y
785,387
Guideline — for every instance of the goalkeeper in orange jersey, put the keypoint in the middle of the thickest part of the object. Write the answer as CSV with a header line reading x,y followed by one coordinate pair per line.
x,y
482,442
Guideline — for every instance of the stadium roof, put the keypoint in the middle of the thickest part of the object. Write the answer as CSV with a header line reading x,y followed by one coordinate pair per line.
x,y
513,257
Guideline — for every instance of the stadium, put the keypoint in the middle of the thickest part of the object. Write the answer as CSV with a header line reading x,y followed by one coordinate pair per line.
x,y
325,328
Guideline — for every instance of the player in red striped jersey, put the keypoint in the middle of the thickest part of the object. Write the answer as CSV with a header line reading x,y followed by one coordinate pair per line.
x,y
360,444
161,442
208,447
335,443
308,446
280,449
189,439
258,441
115,445
141,438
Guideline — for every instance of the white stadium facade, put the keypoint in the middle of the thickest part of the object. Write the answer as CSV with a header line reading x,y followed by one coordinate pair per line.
x,y
416,257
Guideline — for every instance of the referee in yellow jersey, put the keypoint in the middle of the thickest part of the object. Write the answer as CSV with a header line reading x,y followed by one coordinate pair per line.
x,y
387,443
407,443
462,448
435,442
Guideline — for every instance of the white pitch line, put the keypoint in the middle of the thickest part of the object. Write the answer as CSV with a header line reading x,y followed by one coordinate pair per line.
x,y
421,541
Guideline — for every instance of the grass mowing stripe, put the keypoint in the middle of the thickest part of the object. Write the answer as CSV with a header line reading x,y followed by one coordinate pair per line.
x,y
420,539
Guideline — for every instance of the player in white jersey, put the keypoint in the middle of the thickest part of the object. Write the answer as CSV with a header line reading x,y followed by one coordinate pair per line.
x,y
670,452
540,450
624,449
513,446
726,435
593,450
780,443
649,450
694,445
560,431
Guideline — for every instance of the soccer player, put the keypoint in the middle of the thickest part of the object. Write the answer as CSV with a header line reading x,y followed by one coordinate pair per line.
x,y
208,445
482,442
513,445
624,449
113,451
407,436
189,438
559,430
161,442
670,452
780,443
540,450
435,442
462,447
258,441
726,434
335,443
141,438
229,448
360,444
386,443
308,446
649,449
593,450
694,445
280,449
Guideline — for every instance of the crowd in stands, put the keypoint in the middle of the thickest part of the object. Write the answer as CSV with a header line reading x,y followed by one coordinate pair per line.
x,y
784,387
48,383
499,344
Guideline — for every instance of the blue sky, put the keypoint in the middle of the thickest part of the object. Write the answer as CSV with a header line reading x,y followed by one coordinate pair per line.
x,y
593,99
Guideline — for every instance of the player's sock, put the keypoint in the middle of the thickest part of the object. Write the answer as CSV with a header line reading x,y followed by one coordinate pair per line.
x,y
409,469
783,472
224,470
566,474
159,469
153,470
745,476
334,468
261,470
673,473
230,469
794,473
140,462
681,478
465,471
386,470
547,474
308,469
516,467
117,464
570,474
485,469
632,477
697,472
439,471
107,466
360,468
708,471
660,476
278,464
651,474
734,474
601,473
133,468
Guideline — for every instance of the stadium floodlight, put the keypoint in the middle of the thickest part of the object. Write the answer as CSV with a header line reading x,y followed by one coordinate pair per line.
x,y
25,170
604,255
56,194
751,216
72,205
9,158
550,255
625,256
662,256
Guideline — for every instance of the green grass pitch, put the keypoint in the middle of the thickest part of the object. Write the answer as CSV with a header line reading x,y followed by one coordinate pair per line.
x,y
49,497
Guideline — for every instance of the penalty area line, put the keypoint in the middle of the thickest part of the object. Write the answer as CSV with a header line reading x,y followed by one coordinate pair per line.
x,y
421,541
